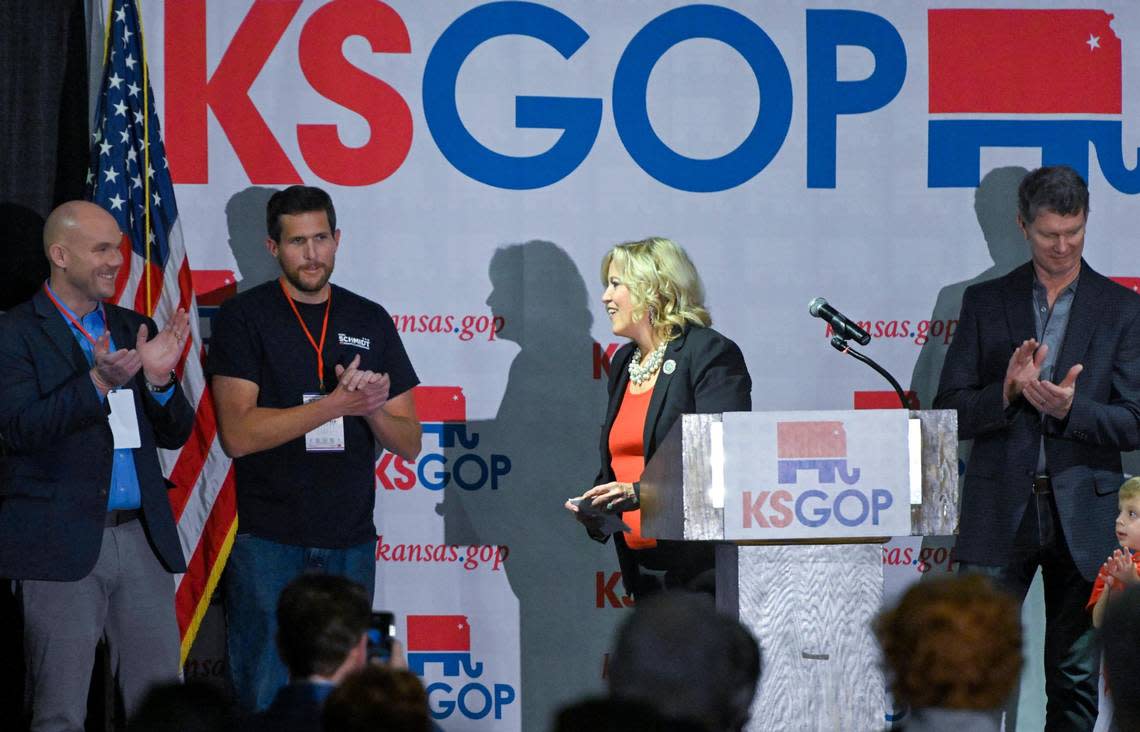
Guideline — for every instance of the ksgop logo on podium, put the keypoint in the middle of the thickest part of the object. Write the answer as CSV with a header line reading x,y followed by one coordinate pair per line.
x,y
804,475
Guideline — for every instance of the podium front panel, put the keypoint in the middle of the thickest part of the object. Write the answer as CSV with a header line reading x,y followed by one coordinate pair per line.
x,y
683,486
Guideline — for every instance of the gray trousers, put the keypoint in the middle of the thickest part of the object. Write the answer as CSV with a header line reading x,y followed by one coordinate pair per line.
x,y
128,598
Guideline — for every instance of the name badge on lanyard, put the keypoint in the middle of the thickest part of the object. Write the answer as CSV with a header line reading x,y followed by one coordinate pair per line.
x,y
123,419
329,437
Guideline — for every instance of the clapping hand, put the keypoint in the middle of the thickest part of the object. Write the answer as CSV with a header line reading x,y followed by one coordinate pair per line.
x,y
361,391
1121,569
160,355
1024,368
113,369
1053,399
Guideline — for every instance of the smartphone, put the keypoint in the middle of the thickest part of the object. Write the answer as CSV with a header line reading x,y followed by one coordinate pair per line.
x,y
381,628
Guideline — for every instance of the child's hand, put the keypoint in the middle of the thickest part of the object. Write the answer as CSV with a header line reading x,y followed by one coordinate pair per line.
x,y
1122,569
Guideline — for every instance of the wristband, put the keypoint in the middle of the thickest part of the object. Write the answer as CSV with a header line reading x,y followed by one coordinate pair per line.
x,y
100,383
159,389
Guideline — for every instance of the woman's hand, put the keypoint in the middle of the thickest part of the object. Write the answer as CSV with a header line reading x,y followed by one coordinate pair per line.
x,y
591,520
613,497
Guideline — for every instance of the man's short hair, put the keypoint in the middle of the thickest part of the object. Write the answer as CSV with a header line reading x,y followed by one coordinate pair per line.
x,y
296,200
686,660
320,619
1056,188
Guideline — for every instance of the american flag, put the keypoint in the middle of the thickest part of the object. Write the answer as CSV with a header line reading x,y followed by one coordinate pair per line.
x,y
128,176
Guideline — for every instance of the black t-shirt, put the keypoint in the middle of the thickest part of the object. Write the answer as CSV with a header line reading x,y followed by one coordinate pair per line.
x,y
286,494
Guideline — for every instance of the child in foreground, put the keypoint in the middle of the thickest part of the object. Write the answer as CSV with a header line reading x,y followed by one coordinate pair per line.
x,y
1120,570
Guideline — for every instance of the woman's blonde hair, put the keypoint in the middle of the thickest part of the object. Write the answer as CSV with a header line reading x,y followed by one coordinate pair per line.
x,y
662,282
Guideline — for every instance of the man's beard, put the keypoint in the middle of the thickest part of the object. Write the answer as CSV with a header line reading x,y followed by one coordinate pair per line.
x,y
294,278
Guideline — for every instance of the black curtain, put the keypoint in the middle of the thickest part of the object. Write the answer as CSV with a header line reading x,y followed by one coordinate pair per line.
x,y
43,129
43,162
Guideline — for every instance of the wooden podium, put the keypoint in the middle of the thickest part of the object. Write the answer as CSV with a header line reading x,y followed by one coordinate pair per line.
x,y
809,601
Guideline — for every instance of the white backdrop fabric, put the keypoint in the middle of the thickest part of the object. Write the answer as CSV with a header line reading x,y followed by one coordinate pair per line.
x,y
789,146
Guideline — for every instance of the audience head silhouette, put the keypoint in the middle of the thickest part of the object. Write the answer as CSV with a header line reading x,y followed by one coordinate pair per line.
x,y
952,644
677,654
377,698
322,621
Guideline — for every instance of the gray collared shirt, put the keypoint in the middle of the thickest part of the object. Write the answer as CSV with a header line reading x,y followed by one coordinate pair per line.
x,y
1051,325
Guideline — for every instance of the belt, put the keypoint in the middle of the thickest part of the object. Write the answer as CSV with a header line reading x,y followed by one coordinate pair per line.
x,y
118,517
1042,485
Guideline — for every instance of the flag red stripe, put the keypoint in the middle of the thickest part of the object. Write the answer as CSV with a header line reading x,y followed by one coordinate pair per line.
x,y
1023,61
193,456
156,281
193,584
124,274
185,286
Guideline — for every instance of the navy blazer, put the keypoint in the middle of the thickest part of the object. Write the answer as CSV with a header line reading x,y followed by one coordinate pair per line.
x,y
58,447
1082,451
296,707
709,377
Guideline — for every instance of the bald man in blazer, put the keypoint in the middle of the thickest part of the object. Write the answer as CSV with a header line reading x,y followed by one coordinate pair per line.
x,y
85,523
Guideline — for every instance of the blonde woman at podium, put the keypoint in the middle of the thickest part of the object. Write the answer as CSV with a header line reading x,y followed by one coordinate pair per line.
x,y
674,364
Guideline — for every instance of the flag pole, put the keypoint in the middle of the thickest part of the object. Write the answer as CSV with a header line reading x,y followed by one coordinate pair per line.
x,y
146,159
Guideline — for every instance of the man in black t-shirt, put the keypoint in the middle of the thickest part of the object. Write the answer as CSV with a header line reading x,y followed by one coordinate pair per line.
x,y
307,378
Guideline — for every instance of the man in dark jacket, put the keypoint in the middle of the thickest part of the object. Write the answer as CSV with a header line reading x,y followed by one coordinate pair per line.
x,y
88,396
1044,372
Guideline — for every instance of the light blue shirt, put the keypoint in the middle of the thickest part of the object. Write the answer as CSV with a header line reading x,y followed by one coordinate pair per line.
x,y
124,490
1051,325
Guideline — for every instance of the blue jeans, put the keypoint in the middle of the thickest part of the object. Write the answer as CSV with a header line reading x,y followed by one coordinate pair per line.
x,y
257,571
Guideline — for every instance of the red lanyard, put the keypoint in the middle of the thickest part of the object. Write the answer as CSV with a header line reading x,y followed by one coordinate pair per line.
x,y
318,347
67,314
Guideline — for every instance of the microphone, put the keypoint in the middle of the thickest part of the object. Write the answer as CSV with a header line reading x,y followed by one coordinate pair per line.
x,y
844,328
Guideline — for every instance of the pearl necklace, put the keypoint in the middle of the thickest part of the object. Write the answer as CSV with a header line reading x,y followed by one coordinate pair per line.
x,y
639,374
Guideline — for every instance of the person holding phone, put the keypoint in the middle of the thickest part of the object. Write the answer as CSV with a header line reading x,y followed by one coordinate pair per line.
x,y
674,364
324,626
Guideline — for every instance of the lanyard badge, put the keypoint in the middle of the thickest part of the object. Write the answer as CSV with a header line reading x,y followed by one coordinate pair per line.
x,y
329,437
318,347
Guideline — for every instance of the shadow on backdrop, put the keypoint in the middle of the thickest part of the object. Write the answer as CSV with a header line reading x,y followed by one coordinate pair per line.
x,y
548,424
245,221
995,204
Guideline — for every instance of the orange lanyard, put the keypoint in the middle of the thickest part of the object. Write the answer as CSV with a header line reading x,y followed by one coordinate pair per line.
x,y
318,347
67,314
